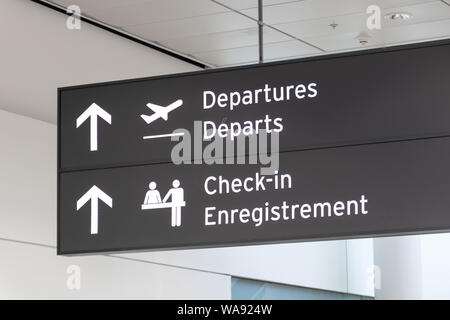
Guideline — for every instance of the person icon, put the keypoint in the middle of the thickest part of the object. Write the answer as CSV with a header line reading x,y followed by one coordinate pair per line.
x,y
152,196
177,195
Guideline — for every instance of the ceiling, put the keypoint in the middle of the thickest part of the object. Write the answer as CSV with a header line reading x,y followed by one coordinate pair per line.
x,y
224,32
39,54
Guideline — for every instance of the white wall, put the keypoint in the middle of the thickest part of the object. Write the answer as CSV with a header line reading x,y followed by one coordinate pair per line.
x,y
329,265
27,179
320,265
414,267
360,267
399,262
30,271
38,55
435,266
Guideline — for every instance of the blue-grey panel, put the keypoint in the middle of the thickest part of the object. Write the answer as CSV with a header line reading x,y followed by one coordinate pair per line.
x,y
245,289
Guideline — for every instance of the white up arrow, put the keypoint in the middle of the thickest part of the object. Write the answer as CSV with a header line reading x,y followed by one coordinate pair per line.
x,y
94,194
93,112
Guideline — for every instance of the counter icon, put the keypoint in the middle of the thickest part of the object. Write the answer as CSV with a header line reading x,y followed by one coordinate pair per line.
x,y
176,193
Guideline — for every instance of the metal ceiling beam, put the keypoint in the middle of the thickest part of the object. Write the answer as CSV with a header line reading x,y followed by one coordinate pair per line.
x,y
260,31
268,25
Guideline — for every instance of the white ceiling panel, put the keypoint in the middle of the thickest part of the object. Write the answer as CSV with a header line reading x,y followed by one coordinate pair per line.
x,y
153,11
321,27
315,9
243,55
248,4
272,51
345,42
417,32
386,37
97,3
426,12
288,49
223,40
200,25
220,36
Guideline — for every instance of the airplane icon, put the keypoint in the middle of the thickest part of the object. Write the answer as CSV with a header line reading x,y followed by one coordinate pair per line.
x,y
160,111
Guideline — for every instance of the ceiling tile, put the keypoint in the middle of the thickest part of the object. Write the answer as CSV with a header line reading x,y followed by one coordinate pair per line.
x,y
430,11
287,49
244,55
272,51
395,35
421,13
344,42
308,9
189,27
223,40
248,4
217,35
152,11
321,27
87,4
417,32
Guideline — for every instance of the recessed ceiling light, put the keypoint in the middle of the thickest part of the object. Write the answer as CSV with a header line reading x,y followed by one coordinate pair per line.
x,y
396,16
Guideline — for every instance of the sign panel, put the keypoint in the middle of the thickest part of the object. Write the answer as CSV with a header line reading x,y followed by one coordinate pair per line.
x,y
327,101
330,193
364,151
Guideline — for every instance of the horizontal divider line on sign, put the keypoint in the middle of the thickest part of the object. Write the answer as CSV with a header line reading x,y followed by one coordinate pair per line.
x,y
161,162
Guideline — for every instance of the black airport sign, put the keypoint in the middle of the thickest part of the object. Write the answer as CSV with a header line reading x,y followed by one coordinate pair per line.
x,y
362,150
